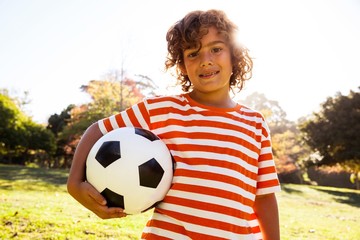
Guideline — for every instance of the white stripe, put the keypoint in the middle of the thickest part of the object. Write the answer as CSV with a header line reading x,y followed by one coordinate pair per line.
x,y
218,170
215,143
267,163
166,104
113,122
140,117
209,129
165,233
265,177
255,118
262,191
210,215
216,156
265,150
206,118
205,214
211,199
102,126
126,119
253,223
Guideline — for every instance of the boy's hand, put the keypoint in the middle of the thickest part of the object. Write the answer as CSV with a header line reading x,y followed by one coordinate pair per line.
x,y
90,198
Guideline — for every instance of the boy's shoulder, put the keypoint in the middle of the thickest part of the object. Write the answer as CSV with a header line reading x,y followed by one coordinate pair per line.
x,y
250,111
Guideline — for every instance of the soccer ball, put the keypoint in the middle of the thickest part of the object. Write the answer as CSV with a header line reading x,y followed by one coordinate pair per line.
x,y
131,167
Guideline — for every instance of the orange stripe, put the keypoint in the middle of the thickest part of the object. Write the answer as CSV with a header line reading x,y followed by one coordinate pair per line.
x,y
266,170
266,143
210,206
267,184
265,157
213,149
144,112
151,236
188,112
133,118
107,125
265,132
222,193
119,120
206,123
211,136
166,98
162,225
215,177
217,163
212,223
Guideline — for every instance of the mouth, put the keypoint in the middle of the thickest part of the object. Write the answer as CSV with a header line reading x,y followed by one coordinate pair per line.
x,y
209,74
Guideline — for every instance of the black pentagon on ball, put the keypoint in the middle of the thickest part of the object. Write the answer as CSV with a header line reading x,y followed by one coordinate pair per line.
x,y
108,153
146,134
150,173
113,199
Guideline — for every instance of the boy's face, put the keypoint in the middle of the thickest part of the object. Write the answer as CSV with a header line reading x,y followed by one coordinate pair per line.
x,y
209,68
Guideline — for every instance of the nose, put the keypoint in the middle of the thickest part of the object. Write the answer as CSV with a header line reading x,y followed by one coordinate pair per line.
x,y
206,60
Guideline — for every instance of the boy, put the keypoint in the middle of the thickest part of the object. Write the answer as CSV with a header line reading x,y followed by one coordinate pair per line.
x,y
225,179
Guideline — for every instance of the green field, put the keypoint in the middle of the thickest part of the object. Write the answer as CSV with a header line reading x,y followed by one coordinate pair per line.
x,y
34,204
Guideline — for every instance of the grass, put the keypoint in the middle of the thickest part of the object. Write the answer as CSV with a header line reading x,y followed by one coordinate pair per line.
x,y
34,204
309,212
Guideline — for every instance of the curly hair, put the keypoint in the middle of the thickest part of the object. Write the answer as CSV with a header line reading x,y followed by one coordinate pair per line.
x,y
187,33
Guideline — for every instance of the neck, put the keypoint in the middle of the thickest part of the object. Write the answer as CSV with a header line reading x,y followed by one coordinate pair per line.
x,y
213,100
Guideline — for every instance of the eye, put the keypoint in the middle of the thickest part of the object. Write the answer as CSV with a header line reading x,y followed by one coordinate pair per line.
x,y
216,49
192,54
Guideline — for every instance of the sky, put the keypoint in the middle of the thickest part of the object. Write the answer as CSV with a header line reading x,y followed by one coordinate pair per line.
x,y
303,51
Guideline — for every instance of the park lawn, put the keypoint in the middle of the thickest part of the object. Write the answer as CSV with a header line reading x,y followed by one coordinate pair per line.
x,y
34,204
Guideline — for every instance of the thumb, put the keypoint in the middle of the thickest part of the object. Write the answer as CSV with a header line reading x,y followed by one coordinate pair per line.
x,y
95,194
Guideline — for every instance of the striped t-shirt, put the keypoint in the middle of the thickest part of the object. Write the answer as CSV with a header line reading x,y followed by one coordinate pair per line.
x,y
223,160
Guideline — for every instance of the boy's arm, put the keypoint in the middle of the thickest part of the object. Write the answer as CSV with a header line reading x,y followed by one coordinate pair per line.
x,y
266,209
77,186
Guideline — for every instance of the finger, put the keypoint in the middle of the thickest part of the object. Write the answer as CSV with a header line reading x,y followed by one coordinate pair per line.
x,y
116,212
94,194
107,213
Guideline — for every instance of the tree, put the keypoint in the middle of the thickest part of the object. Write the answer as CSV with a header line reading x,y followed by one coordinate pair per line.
x,y
40,143
56,124
333,132
109,96
289,154
286,145
273,113
20,137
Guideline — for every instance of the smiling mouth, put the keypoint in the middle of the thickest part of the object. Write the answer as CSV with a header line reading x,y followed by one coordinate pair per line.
x,y
208,75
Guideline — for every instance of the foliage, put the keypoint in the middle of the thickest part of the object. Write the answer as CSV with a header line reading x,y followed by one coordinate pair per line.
x,y
333,132
288,153
56,124
34,204
272,112
11,125
287,147
21,139
108,96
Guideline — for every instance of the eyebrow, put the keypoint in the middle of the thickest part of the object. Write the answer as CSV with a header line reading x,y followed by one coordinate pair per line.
x,y
214,43
207,45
